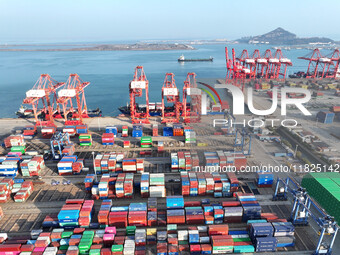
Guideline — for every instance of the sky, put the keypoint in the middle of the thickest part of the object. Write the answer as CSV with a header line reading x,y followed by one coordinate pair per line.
x,y
26,21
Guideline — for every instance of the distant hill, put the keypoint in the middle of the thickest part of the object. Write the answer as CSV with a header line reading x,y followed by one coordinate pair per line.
x,y
280,36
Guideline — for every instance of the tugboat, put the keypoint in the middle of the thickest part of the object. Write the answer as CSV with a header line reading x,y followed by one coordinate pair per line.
x,y
183,59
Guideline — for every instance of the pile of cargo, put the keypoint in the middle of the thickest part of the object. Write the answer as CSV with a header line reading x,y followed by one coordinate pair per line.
x,y
224,159
168,131
146,142
81,129
32,167
153,185
190,135
85,139
48,132
250,205
22,190
325,117
264,179
266,236
125,131
184,161
14,140
9,165
115,162
324,188
70,165
6,186
201,184
108,139
178,130
76,213
69,149
29,131
120,186
111,130
137,131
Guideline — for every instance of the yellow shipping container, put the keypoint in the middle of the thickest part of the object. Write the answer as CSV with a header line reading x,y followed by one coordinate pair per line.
x,y
304,86
151,231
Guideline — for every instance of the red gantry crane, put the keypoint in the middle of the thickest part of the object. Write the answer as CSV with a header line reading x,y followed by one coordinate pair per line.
x,y
43,89
282,65
191,113
74,89
235,69
136,87
333,70
318,64
171,94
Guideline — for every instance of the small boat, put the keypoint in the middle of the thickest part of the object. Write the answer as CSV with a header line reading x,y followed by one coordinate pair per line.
x,y
183,59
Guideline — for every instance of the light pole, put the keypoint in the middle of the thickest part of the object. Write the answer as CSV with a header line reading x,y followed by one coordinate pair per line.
x,y
295,150
94,168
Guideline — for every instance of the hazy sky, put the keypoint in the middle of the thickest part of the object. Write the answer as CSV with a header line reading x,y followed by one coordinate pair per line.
x,y
113,20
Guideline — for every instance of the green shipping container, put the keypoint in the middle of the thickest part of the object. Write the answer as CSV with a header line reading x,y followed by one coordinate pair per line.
x,y
117,248
244,249
66,234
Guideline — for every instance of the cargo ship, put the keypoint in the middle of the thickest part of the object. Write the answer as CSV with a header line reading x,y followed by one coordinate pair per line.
x,y
183,59
24,112
155,109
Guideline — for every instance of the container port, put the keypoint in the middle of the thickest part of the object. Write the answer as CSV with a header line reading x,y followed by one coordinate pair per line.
x,y
197,171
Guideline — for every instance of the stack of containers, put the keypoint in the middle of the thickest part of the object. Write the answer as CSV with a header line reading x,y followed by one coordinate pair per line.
x,y
71,130
234,183
124,185
262,237
233,214
193,184
195,160
29,131
178,130
188,162
48,132
174,162
103,186
103,214
137,131
89,179
69,214
181,161
125,131
24,192
284,233
108,139
175,210
118,217
155,130
19,149
69,149
9,167
218,214
81,129
194,215
137,214
168,131
264,179
157,185
190,137
217,184
325,117
77,166
144,185
126,144
85,213
146,142
202,184
85,139
242,241
14,140
251,208
6,185
112,130
221,241
65,165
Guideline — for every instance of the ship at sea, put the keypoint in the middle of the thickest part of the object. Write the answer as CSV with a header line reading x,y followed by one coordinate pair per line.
x,y
24,112
183,59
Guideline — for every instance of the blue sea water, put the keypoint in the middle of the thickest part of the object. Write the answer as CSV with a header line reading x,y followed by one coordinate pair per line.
x,y
110,72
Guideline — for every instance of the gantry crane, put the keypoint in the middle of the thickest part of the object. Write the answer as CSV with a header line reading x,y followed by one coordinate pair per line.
x,y
74,89
235,69
171,94
136,87
318,64
281,66
43,89
193,114
333,70
249,63
304,209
